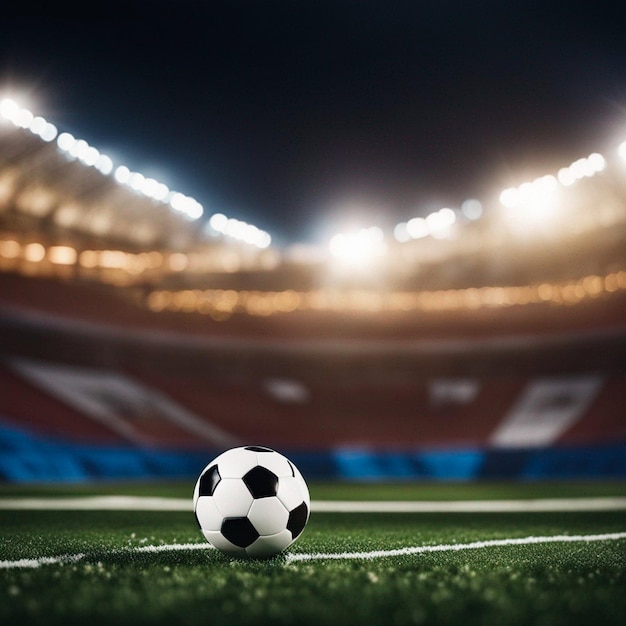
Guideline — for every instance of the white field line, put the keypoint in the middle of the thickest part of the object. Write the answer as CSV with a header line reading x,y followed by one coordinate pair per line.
x,y
472,506
453,547
172,547
73,558
42,560
143,503
375,554
99,503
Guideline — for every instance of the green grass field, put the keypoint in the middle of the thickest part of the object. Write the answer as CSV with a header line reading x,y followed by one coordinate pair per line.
x,y
108,576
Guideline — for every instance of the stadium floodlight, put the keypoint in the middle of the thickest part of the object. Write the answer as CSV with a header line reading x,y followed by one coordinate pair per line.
x,y
401,232
440,220
122,174
358,249
218,222
436,224
597,162
264,240
239,230
194,209
537,195
80,150
38,125
532,199
417,228
90,156
155,189
508,197
24,118
136,181
587,167
49,132
186,205
104,164
472,209
566,177
65,141
44,129
9,109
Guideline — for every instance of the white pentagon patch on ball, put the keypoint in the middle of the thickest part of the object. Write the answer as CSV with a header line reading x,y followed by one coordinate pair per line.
x,y
251,502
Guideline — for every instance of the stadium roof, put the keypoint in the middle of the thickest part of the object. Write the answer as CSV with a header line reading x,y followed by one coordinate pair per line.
x,y
301,117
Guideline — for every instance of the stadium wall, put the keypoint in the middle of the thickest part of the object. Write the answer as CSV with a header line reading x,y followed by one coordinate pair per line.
x,y
139,397
28,458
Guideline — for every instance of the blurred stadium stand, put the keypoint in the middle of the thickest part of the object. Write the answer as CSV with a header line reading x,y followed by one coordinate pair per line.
x,y
136,344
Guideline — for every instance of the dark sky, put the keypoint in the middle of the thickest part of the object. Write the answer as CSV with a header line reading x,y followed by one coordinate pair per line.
x,y
296,115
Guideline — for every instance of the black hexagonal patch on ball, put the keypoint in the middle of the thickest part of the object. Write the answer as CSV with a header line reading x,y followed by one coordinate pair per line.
x,y
259,449
261,482
297,520
209,481
240,531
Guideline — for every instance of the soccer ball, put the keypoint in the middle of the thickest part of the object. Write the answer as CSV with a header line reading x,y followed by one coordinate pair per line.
x,y
251,502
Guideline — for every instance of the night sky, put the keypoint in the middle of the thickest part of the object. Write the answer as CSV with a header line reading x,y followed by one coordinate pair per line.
x,y
302,117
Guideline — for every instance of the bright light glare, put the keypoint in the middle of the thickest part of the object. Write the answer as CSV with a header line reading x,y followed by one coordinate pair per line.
x,y
80,150
122,174
62,255
596,162
566,177
581,168
49,132
9,109
65,141
136,181
417,228
531,201
436,224
23,118
37,125
508,197
239,230
104,164
401,232
538,195
440,220
358,249
621,150
472,209
185,204
218,222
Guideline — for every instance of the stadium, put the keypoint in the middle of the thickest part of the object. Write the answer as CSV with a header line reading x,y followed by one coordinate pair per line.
x,y
391,358
450,389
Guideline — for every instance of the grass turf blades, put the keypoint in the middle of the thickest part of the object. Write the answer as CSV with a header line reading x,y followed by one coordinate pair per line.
x,y
115,583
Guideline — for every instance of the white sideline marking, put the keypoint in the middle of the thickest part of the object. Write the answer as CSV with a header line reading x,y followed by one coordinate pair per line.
x,y
99,503
172,547
43,560
616,503
294,557
73,558
451,547
143,503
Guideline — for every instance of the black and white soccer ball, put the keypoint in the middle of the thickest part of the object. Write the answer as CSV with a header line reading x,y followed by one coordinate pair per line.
x,y
251,502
